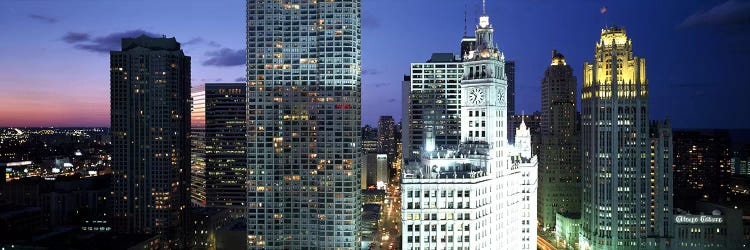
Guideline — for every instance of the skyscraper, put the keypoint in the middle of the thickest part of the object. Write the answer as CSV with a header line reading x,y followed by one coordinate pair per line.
x,y
559,169
432,97
481,193
387,136
150,114
221,108
616,150
198,146
510,73
304,124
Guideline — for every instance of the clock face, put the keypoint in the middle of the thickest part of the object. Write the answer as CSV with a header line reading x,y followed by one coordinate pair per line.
x,y
501,98
476,96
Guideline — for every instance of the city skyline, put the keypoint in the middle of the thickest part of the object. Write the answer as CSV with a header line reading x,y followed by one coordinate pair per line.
x,y
680,40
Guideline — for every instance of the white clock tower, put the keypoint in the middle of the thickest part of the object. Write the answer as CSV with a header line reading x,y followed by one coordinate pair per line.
x,y
483,90
482,191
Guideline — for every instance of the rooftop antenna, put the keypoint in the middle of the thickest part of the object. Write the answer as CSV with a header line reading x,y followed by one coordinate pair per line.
x,y
484,13
464,20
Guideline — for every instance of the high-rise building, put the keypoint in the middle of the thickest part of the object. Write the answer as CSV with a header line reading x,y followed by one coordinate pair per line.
x,y
387,136
510,73
304,124
660,175
431,97
375,171
198,146
559,168
481,193
616,197
221,109
701,165
150,115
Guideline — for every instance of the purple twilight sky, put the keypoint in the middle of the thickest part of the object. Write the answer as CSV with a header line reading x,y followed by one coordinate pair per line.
x,y
54,61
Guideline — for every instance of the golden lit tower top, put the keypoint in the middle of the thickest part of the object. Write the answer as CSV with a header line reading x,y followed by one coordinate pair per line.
x,y
615,67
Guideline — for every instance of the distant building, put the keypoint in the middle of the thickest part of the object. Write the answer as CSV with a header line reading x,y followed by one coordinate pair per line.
x,y
198,146
431,97
375,171
559,158
223,141
206,222
510,73
150,113
232,236
702,165
387,136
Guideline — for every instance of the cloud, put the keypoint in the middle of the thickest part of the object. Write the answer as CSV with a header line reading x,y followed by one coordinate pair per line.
x,y
103,44
732,15
214,44
241,79
75,37
378,84
369,21
44,19
225,57
200,40
370,72
196,40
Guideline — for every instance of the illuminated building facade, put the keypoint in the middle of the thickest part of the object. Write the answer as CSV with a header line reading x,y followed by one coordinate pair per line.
x,y
225,156
150,117
559,168
198,146
480,194
304,124
432,96
617,196
387,136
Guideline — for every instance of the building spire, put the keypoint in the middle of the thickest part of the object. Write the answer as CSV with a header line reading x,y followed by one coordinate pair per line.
x,y
465,20
484,4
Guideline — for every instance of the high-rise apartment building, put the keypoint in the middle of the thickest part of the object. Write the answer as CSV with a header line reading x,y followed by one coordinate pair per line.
x,y
304,124
221,108
150,115
481,193
559,168
616,148
431,97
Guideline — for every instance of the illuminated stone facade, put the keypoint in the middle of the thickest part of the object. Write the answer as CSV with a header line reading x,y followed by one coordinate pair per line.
x,y
617,194
480,194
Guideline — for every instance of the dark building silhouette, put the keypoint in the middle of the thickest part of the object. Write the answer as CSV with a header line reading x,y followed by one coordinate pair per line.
x,y
559,159
150,118
701,165
222,109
